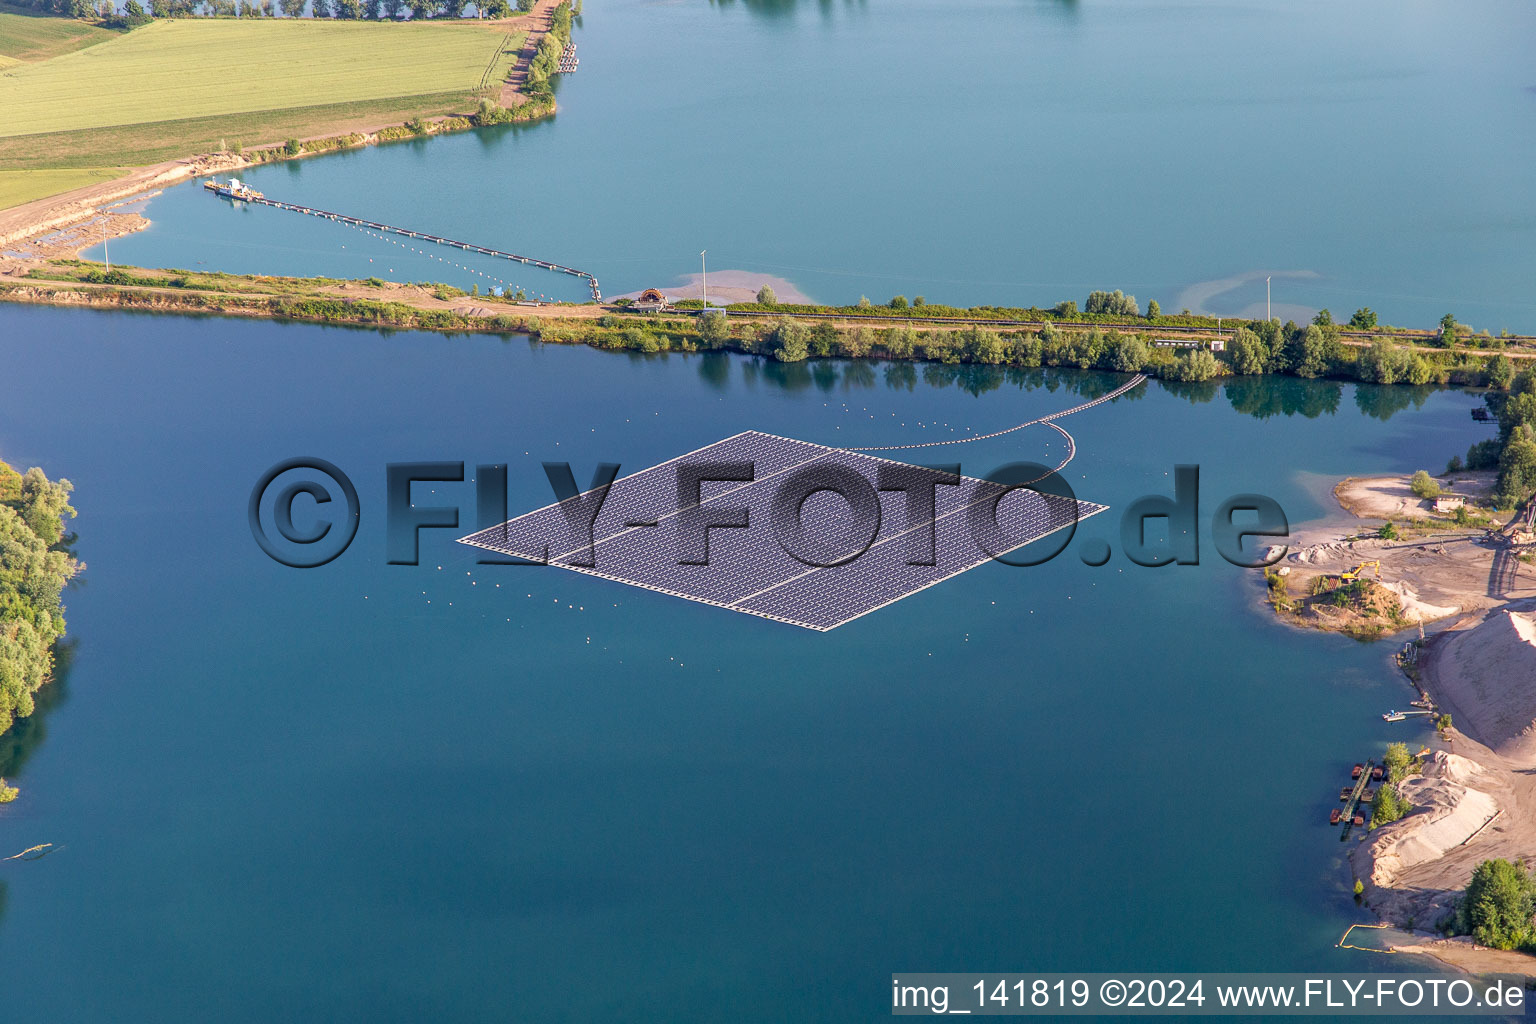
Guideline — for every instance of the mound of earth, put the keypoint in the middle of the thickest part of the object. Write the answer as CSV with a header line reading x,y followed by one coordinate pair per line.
x,y
1488,673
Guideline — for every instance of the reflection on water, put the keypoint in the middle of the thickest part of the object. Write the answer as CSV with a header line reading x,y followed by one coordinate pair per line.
x,y
1259,397
23,738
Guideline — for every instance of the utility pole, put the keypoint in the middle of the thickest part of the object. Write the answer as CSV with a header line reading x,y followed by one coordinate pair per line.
x,y
704,267
104,250
1268,315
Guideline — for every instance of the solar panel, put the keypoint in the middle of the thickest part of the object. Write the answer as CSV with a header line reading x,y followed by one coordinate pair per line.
x,y
643,534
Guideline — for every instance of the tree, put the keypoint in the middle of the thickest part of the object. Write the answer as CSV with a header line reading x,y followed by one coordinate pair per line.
x,y
452,8
1323,318
33,571
1517,469
919,301
1424,485
898,302
1448,327
791,341
1194,365
1497,906
1364,319
857,342
1127,354
291,9
901,341
350,10
824,340
1397,761
421,10
1248,353
1383,363
134,10
494,8
1115,303
1154,310
1311,352
524,6
714,328
1388,805
1501,371
1066,310
766,297
981,346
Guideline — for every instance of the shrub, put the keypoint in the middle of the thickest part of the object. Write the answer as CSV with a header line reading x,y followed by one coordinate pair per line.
x,y
7,793
1424,485
766,297
1388,531
1501,371
1364,319
791,341
1497,906
1388,806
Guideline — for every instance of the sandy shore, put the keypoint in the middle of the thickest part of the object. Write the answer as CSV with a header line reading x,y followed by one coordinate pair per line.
x,y
1476,797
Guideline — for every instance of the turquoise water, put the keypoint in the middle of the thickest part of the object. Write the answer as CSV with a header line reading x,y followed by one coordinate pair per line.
x,y
373,792
984,151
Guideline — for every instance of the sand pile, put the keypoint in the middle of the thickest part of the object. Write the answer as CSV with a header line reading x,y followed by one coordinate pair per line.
x,y
1447,809
1413,608
1489,674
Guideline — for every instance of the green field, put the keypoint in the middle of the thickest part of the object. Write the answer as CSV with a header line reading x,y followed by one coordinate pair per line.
x,y
17,187
199,68
29,36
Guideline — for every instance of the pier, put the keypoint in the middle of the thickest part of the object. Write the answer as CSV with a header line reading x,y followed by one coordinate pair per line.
x,y
1362,774
237,191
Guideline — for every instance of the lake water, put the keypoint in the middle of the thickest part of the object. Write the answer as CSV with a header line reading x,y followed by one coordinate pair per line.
x,y
1004,152
467,792
375,792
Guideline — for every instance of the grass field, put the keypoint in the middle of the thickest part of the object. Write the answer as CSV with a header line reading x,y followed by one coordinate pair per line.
x,y
28,36
199,68
17,187
142,144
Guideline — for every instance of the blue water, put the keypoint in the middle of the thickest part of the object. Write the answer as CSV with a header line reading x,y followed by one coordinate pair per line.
x,y
462,792
1008,152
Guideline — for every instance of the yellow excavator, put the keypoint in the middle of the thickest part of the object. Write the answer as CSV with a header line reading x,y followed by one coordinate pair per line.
x,y
1358,572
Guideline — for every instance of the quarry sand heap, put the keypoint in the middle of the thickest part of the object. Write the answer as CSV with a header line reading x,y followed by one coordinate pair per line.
x,y
1489,674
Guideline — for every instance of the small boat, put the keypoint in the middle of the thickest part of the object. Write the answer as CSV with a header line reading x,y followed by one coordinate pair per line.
x,y
1345,793
1356,770
1334,816
1359,821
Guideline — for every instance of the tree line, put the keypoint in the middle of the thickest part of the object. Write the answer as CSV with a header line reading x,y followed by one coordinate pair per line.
x,y
35,565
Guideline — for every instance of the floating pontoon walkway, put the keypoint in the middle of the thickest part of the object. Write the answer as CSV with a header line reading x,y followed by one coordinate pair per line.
x,y
1351,804
597,294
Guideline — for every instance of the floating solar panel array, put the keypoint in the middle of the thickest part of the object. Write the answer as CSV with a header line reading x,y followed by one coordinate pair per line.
x,y
851,555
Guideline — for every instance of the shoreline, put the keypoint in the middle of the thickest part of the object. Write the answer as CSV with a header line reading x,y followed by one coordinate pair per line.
x,y
1475,798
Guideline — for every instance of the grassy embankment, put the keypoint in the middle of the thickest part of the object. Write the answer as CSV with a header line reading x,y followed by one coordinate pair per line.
x,y
183,87
769,331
